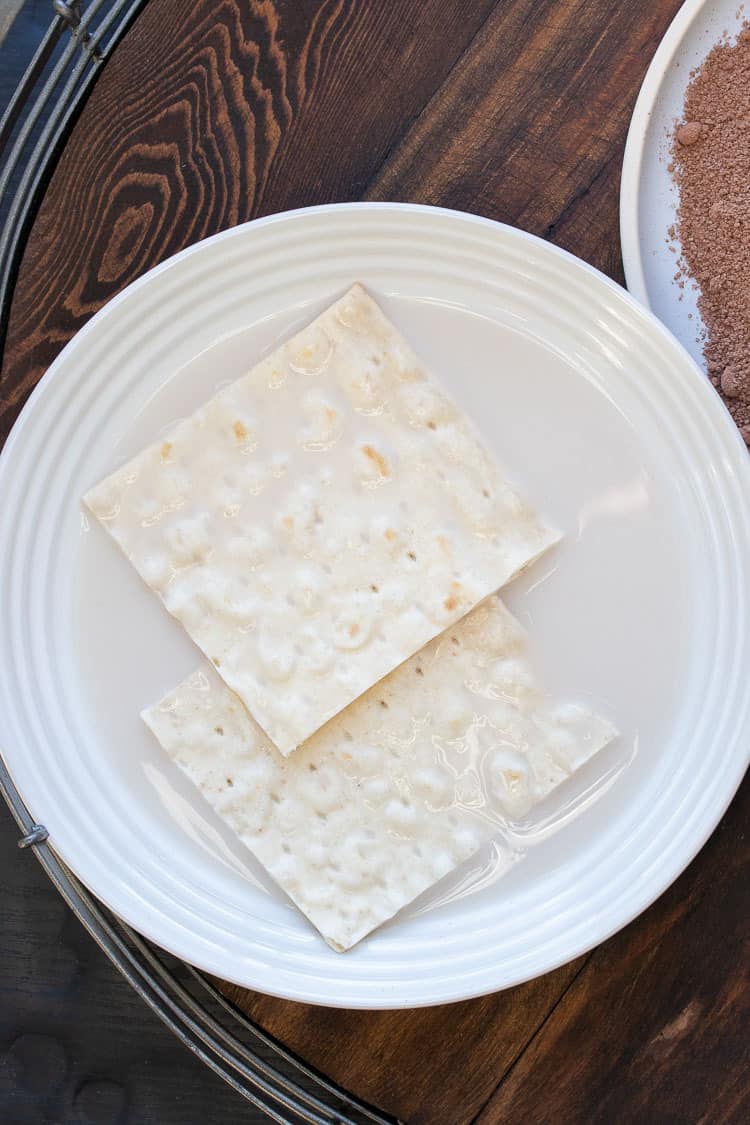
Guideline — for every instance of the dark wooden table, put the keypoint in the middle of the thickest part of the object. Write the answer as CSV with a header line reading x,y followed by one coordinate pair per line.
x,y
213,112
77,1045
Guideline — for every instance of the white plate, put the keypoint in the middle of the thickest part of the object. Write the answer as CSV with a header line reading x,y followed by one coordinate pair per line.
x,y
648,196
643,611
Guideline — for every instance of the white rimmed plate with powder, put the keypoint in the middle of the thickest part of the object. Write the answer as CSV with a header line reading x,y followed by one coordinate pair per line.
x,y
683,198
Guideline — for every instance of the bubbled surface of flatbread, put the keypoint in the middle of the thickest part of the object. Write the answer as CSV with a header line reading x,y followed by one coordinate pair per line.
x,y
320,519
397,790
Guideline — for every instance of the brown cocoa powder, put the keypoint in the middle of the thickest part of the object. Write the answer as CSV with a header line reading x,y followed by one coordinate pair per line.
x,y
711,166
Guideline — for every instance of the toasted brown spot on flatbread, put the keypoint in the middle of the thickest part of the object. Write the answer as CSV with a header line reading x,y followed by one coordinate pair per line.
x,y
377,459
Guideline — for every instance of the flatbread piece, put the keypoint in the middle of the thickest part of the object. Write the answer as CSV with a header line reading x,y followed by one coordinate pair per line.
x,y
397,790
320,519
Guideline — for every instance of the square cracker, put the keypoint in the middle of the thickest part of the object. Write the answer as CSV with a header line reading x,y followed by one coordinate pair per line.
x,y
397,790
320,519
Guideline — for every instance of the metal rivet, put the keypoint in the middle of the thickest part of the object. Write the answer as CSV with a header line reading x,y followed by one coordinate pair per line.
x,y
68,12
37,835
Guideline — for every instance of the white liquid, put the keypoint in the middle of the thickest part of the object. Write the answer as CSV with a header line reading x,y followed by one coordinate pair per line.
x,y
617,585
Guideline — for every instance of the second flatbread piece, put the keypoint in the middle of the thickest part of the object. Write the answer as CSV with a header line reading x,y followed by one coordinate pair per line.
x,y
400,788
319,520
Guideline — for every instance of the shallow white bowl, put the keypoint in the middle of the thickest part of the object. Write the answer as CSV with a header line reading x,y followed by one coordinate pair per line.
x,y
643,610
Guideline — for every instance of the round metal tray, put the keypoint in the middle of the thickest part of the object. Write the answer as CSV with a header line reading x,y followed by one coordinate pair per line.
x,y
32,133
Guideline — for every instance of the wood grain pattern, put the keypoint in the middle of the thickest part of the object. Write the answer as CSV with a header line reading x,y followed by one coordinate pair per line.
x,y
530,126
655,1027
210,114
428,1065
214,112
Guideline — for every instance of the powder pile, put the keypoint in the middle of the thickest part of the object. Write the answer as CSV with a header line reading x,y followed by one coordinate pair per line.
x,y
711,165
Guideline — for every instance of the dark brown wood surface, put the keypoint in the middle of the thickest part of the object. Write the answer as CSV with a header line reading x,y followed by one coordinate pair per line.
x,y
211,113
